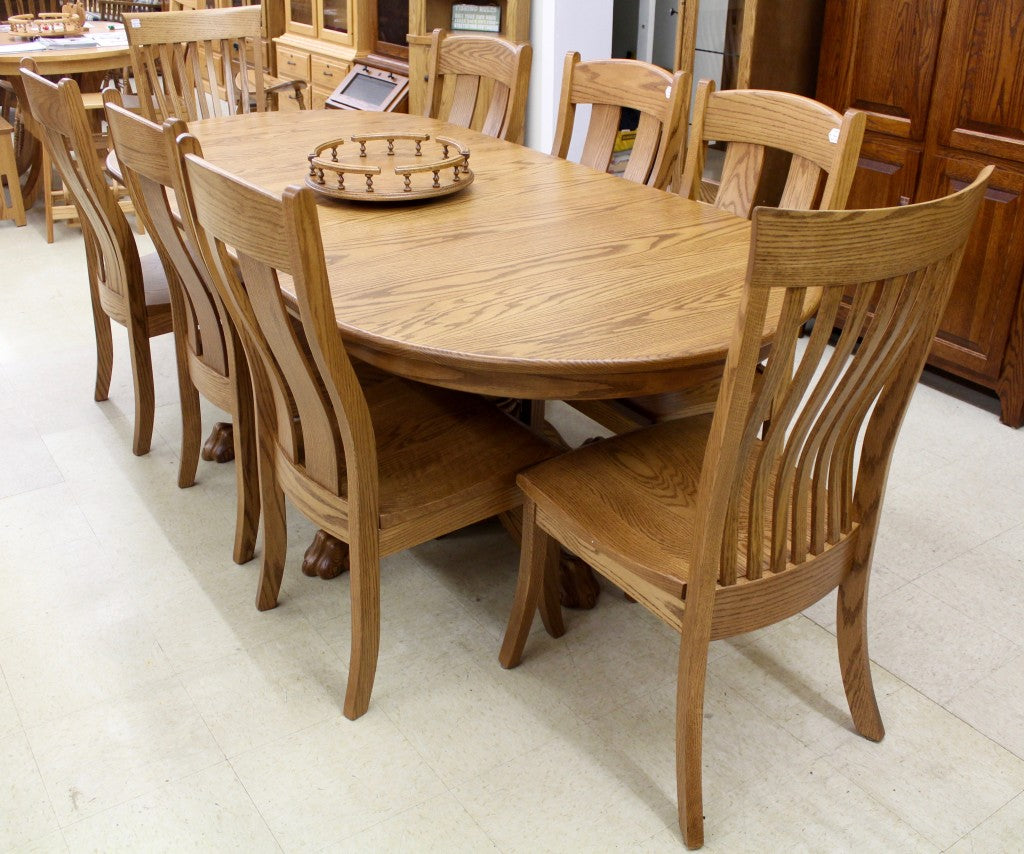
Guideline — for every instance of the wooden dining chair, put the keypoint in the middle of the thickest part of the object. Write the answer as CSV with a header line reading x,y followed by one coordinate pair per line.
x,y
198,64
381,468
610,86
209,350
479,82
822,146
720,525
124,287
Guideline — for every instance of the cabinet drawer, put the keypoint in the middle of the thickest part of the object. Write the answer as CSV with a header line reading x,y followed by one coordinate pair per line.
x,y
292,64
327,75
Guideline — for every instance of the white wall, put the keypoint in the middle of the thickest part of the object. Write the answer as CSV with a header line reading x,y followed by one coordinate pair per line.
x,y
556,27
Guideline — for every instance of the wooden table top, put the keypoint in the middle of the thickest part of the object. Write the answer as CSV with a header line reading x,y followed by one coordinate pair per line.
x,y
70,60
544,279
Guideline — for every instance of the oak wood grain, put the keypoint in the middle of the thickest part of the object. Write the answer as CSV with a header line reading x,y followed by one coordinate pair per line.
x,y
544,279
720,525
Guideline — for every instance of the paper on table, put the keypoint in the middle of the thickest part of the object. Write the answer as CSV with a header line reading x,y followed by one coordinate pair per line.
x,y
111,39
68,44
23,47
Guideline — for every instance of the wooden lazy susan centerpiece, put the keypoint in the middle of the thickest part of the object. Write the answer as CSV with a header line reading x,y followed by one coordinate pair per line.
x,y
69,21
389,167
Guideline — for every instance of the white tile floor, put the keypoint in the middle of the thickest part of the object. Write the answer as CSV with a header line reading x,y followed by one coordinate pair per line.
x,y
146,705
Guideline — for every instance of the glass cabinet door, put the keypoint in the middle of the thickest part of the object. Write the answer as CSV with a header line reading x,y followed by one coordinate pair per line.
x,y
393,28
336,21
299,17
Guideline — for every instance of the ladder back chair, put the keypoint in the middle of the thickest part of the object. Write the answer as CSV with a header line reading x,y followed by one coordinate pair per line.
x,y
479,82
611,85
381,467
198,64
823,146
209,350
124,287
721,525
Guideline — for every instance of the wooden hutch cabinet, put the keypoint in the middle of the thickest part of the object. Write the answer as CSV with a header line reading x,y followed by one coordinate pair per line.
x,y
941,82
322,39
425,16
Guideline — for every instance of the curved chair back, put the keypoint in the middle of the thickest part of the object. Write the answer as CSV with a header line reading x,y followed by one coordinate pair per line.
x,y
725,525
479,82
197,64
823,143
124,288
113,256
611,85
209,349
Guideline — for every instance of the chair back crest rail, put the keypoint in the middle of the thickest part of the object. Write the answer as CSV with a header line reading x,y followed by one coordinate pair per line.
x,y
610,86
197,64
778,497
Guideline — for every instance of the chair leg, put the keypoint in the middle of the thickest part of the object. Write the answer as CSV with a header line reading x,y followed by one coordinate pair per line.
x,y
191,421
142,379
538,564
104,346
364,591
247,515
693,659
852,638
275,528
48,194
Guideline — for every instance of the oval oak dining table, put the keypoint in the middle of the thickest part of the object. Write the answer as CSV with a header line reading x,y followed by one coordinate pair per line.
x,y
543,279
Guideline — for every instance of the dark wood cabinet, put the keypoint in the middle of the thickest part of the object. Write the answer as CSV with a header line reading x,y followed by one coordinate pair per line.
x,y
941,82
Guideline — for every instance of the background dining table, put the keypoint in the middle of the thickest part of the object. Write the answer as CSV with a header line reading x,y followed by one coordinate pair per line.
x,y
109,54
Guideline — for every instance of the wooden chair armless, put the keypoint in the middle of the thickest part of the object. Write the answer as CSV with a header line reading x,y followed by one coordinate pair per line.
x,y
479,82
381,467
720,526
610,86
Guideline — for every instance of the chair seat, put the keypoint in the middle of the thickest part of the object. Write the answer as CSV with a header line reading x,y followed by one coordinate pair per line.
x,y
441,449
637,488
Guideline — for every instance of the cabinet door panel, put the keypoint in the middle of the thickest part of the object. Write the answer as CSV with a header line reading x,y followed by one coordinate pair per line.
x,y
879,56
976,324
979,95
886,174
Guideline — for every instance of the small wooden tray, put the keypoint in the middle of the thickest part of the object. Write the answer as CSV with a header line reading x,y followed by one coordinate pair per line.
x,y
70,21
389,167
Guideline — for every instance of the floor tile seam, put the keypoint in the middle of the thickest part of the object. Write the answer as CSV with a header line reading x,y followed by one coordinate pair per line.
x,y
481,773
989,817
147,790
17,712
115,697
907,687
46,789
255,806
277,737
1015,647
924,831
1014,753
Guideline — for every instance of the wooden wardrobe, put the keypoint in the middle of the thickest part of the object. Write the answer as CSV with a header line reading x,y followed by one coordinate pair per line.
x,y
942,83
